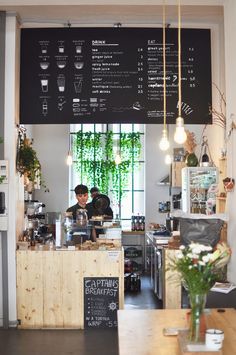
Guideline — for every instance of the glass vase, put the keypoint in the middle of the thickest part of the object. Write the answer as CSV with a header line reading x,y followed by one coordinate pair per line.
x,y
197,321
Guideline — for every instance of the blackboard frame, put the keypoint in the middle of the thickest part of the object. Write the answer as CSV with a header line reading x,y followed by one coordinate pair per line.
x,y
101,302
112,75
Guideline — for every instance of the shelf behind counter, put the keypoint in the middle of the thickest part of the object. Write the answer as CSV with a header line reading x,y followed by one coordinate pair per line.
x,y
134,245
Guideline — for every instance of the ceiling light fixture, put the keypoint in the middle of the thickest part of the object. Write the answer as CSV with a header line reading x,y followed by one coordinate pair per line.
x,y
69,159
164,142
168,159
118,159
180,135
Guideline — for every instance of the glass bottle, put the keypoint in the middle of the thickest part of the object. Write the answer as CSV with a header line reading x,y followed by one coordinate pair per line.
x,y
81,217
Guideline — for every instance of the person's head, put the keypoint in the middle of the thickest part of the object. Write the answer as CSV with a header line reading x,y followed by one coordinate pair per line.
x,y
81,193
94,191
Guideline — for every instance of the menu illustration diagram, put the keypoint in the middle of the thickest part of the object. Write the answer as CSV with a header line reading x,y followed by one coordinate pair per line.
x,y
105,75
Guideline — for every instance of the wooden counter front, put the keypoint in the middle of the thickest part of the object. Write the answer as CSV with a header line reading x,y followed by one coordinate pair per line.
x,y
50,285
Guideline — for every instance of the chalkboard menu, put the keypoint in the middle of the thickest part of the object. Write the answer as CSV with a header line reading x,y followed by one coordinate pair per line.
x,y
113,75
101,302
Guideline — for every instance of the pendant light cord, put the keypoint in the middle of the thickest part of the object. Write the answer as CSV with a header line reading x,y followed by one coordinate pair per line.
x,y
164,63
179,58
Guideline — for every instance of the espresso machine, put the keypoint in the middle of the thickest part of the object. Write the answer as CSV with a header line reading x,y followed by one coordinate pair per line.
x,y
35,228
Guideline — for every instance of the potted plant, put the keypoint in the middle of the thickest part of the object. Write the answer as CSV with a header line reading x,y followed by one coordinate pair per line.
x,y
28,164
189,146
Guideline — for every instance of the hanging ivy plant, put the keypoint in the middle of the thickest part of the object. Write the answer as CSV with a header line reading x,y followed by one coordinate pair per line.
x,y
27,162
95,161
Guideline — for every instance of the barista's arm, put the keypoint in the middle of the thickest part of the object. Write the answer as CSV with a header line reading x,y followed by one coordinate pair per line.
x,y
109,213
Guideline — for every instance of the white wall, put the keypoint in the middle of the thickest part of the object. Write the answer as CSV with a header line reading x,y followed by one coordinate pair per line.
x,y
16,194
230,60
51,143
156,169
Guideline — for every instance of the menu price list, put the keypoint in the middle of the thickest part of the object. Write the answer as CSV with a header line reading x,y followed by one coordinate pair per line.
x,y
101,302
102,75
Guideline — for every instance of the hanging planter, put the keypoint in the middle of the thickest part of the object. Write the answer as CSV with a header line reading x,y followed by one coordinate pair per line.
x,y
27,163
189,146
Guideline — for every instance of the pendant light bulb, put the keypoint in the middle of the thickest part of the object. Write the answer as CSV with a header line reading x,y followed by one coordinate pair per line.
x,y
168,159
118,159
69,159
164,142
180,135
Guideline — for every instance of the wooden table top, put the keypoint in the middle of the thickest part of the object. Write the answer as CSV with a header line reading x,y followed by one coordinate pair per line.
x,y
141,331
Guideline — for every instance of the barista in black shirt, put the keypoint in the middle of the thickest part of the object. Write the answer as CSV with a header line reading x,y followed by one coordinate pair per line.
x,y
81,194
107,213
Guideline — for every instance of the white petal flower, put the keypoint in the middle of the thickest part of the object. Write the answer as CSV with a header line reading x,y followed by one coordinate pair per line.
x,y
195,256
179,254
202,263
208,248
190,267
206,258
182,247
190,255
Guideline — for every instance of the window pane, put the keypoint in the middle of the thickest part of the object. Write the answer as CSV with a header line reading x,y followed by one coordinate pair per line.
x,y
132,201
126,206
142,155
138,128
126,128
139,176
139,203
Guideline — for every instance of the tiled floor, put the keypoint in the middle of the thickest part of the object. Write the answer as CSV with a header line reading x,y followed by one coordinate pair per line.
x,y
74,342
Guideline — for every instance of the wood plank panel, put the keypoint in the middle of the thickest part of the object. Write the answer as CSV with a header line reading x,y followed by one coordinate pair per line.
x,y
72,290
50,285
29,289
172,283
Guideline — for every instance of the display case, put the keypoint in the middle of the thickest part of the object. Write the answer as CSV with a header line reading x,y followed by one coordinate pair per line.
x,y
199,189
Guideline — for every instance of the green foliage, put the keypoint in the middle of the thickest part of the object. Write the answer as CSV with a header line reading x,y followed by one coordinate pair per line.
x,y
95,160
199,266
27,163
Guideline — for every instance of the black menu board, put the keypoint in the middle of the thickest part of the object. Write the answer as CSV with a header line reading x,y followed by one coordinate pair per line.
x,y
112,75
101,302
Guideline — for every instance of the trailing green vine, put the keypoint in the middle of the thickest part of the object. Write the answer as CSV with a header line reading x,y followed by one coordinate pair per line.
x,y
95,160
27,162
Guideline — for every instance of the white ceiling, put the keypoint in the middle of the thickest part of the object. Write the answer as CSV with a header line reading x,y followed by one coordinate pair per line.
x,y
107,15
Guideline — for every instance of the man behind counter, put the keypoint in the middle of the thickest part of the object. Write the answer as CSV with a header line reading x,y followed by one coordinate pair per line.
x,y
81,194
94,192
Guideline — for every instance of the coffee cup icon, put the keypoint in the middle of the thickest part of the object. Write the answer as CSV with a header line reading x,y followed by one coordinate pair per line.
x,y
78,86
61,48
61,64
61,84
78,49
44,85
79,65
44,65
44,49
